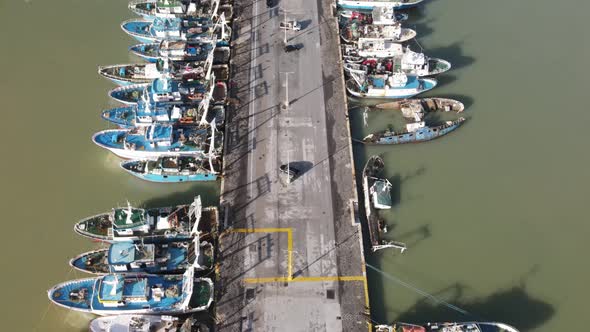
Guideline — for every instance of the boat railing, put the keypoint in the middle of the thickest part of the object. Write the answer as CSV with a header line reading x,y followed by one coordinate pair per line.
x,y
133,6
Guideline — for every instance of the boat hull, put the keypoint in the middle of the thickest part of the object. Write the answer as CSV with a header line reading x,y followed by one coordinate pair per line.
x,y
422,135
175,178
369,5
402,93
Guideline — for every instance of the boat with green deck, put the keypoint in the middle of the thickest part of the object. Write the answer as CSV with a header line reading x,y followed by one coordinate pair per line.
x,y
180,222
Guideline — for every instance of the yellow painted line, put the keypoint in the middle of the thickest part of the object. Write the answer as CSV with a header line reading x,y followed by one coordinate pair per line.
x,y
290,256
265,280
306,279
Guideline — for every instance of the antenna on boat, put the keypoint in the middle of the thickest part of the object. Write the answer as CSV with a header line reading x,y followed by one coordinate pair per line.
x,y
128,213
114,283
214,14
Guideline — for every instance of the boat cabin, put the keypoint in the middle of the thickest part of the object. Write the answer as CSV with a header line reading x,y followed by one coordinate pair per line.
x,y
116,290
381,194
124,256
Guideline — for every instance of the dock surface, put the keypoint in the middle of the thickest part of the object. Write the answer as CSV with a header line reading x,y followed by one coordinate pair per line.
x,y
291,255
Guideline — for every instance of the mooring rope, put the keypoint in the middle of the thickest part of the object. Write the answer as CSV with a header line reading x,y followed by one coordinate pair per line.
x,y
419,291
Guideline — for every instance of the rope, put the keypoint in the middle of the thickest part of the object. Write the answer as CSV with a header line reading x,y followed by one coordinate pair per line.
x,y
419,291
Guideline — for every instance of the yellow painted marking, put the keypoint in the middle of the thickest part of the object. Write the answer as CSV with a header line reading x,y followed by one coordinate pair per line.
x,y
305,279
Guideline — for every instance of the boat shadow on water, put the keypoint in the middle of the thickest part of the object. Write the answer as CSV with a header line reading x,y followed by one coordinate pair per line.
x,y
208,192
513,305
453,53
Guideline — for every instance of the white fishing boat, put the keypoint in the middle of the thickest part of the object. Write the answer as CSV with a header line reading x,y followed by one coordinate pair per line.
x,y
370,4
396,86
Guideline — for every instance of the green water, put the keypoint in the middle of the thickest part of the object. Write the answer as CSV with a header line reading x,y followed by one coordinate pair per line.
x,y
52,174
493,214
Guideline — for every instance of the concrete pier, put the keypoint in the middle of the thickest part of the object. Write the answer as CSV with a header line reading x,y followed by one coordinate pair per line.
x,y
291,253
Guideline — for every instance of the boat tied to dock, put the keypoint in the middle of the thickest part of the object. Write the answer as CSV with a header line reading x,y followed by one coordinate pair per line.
x,y
377,195
416,128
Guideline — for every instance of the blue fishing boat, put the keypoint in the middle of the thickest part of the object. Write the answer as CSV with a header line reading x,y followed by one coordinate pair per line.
x,y
159,139
176,223
145,323
162,90
416,129
168,28
194,50
115,294
146,114
369,5
152,9
170,169
395,86
151,258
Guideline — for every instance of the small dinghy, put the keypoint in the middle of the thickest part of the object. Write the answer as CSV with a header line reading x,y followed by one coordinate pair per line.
x,y
194,50
169,169
145,323
396,86
353,31
159,139
379,15
415,129
115,294
410,63
447,327
371,4
177,223
151,258
168,28
146,114
152,9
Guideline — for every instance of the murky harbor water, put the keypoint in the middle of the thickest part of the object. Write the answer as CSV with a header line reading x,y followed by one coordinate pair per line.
x,y
493,214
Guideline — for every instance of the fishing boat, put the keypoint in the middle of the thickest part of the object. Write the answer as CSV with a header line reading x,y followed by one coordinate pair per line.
x,y
168,28
395,86
159,139
152,9
370,4
194,50
151,258
126,74
447,327
414,111
371,47
180,222
146,323
161,90
353,31
147,114
410,63
377,195
175,169
115,294
379,15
